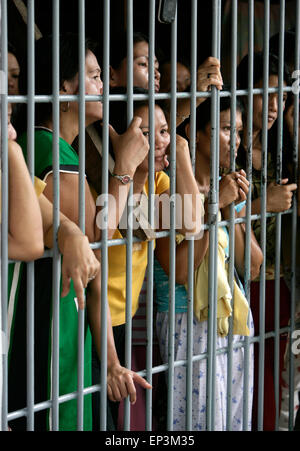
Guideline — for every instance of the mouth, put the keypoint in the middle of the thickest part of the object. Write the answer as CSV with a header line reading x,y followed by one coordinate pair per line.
x,y
271,118
157,86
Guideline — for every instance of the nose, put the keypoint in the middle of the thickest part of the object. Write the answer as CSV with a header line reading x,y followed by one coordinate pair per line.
x,y
159,142
157,74
237,140
101,86
10,81
273,103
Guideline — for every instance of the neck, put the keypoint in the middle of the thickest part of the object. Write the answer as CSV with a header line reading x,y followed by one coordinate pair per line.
x,y
202,172
68,127
256,139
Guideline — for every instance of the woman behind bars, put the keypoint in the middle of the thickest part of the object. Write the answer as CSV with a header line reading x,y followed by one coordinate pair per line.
x,y
120,380
186,184
233,188
279,199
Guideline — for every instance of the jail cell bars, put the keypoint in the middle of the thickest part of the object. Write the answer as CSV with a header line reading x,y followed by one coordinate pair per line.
x,y
213,224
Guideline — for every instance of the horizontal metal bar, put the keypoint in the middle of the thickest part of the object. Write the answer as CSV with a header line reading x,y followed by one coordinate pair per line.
x,y
158,96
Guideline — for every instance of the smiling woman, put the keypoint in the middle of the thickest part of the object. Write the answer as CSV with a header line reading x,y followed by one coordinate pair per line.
x,y
119,380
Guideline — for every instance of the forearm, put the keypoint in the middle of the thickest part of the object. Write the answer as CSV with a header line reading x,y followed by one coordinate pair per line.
x,y
191,200
25,233
239,246
94,317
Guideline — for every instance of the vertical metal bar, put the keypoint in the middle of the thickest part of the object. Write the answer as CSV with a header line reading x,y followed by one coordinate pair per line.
x,y
278,217
4,213
30,266
172,254
247,276
294,220
213,231
263,216
189,367
232,210
56,256
128,326
149,308
81,206
104,232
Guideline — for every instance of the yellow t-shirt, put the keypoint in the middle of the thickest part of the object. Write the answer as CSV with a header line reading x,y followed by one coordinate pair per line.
x,y
116,286
39,186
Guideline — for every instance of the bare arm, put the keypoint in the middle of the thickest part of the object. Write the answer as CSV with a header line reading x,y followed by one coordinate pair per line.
x,y
233,188
25,232
120,380
79,261
190,208
200,249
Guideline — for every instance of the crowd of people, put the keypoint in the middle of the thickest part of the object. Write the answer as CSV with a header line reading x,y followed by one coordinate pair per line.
x,y
81,266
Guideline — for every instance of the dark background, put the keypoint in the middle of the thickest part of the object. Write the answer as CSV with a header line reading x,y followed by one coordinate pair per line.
x,y
17,33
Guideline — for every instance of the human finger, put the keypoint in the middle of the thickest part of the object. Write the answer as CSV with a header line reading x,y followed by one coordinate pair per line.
x,y
284,181
112,133
211,61
141,381
131,390
66,281
243,195
116,395
136,122
79,290
291,187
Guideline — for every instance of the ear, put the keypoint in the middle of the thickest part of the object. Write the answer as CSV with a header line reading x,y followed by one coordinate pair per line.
x,y
188,132
113,77
69,87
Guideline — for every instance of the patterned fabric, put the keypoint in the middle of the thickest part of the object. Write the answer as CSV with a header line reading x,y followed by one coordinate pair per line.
x,y
199,400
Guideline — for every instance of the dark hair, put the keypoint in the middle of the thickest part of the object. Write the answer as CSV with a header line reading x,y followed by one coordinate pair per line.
x,y
11,49
68,67
289,47
258,65
203,113
118,47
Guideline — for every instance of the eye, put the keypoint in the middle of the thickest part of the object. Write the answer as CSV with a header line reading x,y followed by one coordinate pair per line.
x,y
164,131
142,64
146,133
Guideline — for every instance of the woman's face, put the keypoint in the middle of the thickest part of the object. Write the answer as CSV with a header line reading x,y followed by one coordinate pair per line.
x,y
93,86
203,138
272,104
183,81
11,132
162,136
13,74
140,69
